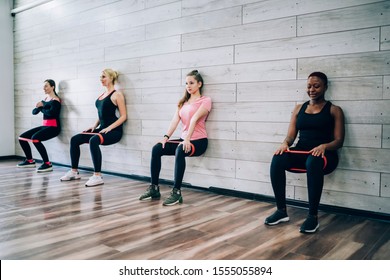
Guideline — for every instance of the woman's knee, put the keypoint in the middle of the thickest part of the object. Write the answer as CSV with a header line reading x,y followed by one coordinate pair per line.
x,y
94,141
157,150
180,152
314,163
75,140
279,162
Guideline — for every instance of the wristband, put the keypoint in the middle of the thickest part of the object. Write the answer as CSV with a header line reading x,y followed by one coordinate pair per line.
x,y
166,136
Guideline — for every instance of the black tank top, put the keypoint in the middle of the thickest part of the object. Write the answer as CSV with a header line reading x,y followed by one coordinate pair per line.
x,y
106,111
314,129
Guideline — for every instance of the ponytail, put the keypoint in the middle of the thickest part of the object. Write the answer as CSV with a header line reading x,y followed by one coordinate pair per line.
x,y
52,83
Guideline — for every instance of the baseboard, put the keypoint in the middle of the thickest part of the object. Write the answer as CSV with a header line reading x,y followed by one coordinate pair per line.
x,y
10,157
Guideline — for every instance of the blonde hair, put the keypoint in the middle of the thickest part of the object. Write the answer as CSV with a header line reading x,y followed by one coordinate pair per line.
x,y
112,74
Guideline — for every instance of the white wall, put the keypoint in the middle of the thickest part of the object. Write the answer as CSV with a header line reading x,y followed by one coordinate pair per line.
x,y
7,143
254,56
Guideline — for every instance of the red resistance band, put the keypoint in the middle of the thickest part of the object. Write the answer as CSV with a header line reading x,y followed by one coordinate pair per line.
x,y
95,133
29,140
304,152
192,147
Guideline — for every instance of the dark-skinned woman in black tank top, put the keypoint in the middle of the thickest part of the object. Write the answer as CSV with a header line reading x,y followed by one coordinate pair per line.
x,y
107,130
320,126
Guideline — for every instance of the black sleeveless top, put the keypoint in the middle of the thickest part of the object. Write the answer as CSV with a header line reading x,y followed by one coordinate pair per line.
x,y
106,112
314,129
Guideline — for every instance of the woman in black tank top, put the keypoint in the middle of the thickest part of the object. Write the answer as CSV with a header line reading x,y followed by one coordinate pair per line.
x,y
320,126
107,129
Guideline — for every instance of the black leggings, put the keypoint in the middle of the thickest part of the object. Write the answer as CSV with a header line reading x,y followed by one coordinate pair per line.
x,y
36,136
315,176
94,139
173,148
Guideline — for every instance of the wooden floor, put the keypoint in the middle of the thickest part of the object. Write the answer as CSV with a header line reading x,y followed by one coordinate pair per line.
x,y
43,218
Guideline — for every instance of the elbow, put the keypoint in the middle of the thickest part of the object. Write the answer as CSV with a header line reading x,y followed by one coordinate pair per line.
x,y
339,143
123,118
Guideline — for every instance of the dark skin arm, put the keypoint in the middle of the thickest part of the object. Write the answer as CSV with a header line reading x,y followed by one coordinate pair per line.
x,y
338,133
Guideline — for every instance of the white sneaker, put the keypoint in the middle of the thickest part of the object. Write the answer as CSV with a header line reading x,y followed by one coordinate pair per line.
x,y
94,181
70,175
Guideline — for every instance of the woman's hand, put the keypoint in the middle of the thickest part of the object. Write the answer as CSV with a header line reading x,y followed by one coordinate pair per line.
x,y
163,141
282,148
318,151
186,145
39,104
105,130
91,129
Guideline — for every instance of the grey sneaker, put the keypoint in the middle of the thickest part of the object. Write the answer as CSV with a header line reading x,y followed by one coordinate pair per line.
x,y
95,180
153,192
174,198
70,175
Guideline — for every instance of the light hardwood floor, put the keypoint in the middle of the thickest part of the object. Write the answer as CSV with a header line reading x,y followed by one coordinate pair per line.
x,y
43,218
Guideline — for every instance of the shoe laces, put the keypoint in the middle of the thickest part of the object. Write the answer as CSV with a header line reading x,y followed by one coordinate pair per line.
x,y
175,191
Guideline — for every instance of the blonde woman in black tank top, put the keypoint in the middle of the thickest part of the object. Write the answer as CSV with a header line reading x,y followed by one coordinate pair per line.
x,y
107,129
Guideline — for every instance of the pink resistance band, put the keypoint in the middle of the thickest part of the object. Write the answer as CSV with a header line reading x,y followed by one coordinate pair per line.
x,y
52,122
29,140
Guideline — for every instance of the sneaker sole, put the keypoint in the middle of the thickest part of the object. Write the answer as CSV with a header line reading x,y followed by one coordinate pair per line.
x,y
26,166
179,201
311,230
98,184
45,170
70,179
150,198
283,220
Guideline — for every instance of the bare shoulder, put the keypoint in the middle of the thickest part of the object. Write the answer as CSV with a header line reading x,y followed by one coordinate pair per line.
x,y
118,93
334,109
297,108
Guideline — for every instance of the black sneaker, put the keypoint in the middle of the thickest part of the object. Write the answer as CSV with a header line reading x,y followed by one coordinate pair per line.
x,y
310,225
278,217
26,164
45,167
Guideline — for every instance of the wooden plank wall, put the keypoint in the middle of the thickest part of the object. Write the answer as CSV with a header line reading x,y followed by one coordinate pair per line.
x,y
254,57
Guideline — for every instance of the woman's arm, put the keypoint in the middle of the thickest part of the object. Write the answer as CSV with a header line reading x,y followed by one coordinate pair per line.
x,y
292,132
201,112
338,133
172,127
118,99
51,109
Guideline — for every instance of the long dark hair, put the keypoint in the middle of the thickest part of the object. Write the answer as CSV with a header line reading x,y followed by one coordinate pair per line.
x,y
52,84
186,97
